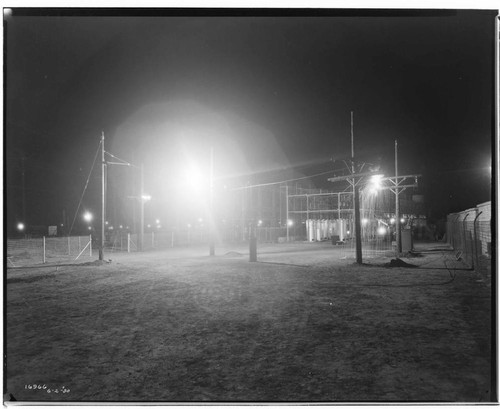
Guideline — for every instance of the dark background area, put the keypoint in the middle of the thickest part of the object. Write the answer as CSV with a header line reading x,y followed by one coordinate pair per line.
x,y
283,81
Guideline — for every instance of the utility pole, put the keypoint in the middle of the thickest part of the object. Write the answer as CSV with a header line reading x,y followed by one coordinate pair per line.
x,y
287,221
142,199
211,207
355,188
23,159
103,209
398,224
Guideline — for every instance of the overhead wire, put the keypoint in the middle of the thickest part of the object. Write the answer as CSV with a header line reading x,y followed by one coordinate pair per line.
x,y
287,181
85,188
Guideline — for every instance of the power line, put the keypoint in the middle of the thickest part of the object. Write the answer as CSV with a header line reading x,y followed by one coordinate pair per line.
x,y
288,180
84,189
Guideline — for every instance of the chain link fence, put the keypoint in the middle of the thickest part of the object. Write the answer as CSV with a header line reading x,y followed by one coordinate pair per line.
x,y
34,251
469,234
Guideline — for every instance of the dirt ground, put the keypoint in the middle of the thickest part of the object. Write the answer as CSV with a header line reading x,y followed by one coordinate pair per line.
x,y
303,324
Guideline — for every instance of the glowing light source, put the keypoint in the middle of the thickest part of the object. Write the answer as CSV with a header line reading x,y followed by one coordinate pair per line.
x,y
364,221
393,220
20,226
87,216
260,223
375,184
289,222
402,220
381,230
146,197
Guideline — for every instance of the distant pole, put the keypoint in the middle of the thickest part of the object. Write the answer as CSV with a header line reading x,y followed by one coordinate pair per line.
x,y
23,160
103,192
141,233
287,224
398,224
355,188
211,218
253,243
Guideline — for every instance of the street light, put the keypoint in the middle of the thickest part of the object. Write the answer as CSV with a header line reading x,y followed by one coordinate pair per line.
x,y
87,216
20,226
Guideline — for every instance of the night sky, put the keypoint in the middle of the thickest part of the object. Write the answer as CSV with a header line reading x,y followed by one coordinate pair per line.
x,y
270,91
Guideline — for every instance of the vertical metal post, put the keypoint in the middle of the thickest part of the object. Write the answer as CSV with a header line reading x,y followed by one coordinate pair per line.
x,y
287,224
23,159
128,242
355,191
465,236
211,218
90,245
103,192
141,198
253,243
477,243
43,249
69,247
338,205
307,206
398,223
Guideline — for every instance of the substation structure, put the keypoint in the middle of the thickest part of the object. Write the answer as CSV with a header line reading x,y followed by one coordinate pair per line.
x,y
287,213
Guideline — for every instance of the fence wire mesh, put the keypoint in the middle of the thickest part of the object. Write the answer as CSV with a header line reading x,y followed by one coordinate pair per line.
x,y
471,239
28,252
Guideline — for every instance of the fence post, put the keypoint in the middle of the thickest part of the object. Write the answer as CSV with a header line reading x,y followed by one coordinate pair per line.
x,y
128,242
464,249
90,241
153,239
476,241
69,247
43,249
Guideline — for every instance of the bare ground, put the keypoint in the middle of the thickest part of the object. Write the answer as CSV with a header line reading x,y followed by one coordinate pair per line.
x,y
300,325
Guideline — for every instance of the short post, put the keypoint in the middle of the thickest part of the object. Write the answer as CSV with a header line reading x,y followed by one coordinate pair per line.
x,y
253,244
43,249
90,241
128,242
153,239
69,247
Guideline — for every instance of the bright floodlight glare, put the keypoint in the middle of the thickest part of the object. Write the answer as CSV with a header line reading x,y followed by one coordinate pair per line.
x,y
381,230
402,220
393,220
20,226
146,197
290,222
260,223
193,179
157,221
375,183
364,221
87,216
